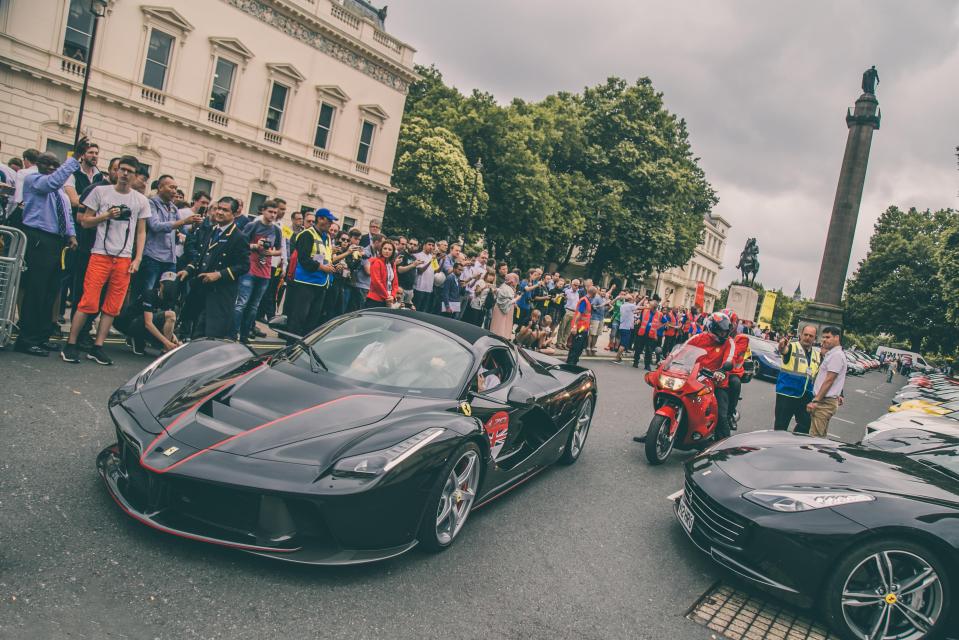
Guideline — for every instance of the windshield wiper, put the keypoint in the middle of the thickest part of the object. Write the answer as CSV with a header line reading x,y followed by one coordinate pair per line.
x,y
315,360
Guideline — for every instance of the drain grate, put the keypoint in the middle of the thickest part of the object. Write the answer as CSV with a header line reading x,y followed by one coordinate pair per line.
x,y
738,615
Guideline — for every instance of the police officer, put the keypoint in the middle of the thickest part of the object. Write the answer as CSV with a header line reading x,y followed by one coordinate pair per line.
x,y
800,362
217,255
313,276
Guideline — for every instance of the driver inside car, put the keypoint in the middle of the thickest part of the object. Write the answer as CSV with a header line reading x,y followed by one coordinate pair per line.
x,y
718,359
487,378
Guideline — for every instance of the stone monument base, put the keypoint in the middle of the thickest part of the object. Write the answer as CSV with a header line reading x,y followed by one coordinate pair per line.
x,y
820,314
743,300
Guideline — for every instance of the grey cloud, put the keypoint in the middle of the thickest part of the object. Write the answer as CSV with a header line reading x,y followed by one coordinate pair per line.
x,y
763,85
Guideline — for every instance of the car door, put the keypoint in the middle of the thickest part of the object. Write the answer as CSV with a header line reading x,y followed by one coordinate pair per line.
x,y
503,421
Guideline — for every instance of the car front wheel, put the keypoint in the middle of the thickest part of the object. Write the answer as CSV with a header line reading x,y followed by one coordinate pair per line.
x,y
891,589
451,499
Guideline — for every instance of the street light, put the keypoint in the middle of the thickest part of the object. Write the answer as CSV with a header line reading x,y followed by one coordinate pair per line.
x,y
99,9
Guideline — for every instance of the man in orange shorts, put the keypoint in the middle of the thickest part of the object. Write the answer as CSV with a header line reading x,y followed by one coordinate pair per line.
x,y
118,213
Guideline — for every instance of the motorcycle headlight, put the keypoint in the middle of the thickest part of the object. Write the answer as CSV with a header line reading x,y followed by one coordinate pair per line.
x,y
794,500
377,463
671,383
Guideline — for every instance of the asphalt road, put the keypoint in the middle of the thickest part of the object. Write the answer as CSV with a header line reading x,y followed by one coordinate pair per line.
x,y
588,551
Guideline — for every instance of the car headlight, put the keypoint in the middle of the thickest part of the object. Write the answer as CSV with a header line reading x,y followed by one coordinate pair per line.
x,y
790,501
376,463
671,383
142,377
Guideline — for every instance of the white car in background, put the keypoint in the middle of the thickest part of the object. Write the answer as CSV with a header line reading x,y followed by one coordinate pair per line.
x,y
947,424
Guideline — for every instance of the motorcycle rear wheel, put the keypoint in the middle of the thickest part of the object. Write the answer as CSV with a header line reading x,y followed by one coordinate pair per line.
x,y
659,442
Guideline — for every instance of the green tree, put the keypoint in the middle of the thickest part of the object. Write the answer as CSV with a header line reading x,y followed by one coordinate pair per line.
x,y
439,193
898,288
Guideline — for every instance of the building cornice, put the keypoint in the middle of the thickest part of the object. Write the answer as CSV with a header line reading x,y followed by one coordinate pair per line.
x,y
313,32
16,66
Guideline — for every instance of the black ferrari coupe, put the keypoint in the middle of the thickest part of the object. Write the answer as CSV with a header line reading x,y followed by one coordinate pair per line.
x,y
379,431
868,533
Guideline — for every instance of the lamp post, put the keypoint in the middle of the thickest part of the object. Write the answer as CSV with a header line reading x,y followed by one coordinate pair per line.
x,y
98,8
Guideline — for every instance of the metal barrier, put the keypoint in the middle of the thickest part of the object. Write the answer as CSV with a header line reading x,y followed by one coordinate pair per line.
x,y
13,246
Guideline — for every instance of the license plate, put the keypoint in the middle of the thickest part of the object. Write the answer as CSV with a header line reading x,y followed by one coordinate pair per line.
x,y
685,515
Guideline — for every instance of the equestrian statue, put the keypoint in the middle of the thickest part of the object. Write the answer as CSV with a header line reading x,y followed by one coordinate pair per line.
x,y
749,261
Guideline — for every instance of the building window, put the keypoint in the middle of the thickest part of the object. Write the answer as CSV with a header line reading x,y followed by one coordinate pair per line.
x,y
274,112
76,40
257,200
348,223
222,84
59,149
202,184
366,143
158,60
323,126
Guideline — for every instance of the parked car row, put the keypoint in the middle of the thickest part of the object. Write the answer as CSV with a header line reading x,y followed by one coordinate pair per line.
x,y
927,401
766,361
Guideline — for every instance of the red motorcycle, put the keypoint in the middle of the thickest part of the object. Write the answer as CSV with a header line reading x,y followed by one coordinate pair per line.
x,y
685,402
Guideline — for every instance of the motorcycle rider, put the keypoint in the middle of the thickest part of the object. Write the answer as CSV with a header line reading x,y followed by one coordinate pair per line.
x,y
720,350
735,375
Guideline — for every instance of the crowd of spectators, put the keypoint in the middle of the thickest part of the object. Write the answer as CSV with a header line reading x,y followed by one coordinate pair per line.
x,y
140,257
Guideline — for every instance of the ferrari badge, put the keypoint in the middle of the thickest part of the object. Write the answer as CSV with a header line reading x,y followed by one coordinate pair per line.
x,y
169,452
466,409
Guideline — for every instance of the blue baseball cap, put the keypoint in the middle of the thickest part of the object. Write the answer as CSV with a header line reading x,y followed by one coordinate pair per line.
x,y
325,213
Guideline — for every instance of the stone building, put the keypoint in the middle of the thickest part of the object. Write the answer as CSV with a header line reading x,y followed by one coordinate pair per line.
x,y
250,98
677,286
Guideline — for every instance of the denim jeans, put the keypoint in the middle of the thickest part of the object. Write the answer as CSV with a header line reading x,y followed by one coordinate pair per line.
x,y
248,295
149,273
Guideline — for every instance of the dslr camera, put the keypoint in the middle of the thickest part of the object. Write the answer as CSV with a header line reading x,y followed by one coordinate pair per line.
x,y
125,212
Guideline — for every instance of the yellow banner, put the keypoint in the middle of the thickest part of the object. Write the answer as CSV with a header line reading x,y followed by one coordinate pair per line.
x,y
766,310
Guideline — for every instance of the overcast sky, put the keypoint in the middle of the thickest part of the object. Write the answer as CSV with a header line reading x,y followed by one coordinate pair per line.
x,y
763,85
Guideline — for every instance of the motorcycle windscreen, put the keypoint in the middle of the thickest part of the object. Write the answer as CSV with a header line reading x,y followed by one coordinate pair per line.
x,y
683,358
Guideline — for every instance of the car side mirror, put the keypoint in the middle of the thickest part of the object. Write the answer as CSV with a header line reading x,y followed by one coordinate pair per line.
x,y
519,396
277,322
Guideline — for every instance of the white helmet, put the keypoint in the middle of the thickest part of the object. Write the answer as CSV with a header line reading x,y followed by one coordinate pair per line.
x,y
439,278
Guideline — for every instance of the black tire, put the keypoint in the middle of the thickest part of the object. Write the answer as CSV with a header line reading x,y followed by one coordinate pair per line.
x,y
570,453
656,426
427,536
833,592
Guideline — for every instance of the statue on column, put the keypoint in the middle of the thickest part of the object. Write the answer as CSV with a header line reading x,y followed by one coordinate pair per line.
x,y
749,261
870,78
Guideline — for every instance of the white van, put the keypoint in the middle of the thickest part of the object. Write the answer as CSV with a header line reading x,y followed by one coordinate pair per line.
x,y
918,363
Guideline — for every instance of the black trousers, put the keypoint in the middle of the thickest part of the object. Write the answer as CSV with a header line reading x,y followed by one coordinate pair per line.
x,y
722,420
304,307
580,339
788,408
219,307
645,345
735,389
421,300
40,284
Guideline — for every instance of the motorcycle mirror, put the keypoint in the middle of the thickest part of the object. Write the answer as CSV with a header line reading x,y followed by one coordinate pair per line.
x,y
727,366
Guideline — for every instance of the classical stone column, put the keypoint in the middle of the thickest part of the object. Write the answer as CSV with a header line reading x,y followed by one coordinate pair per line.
x,y
862,121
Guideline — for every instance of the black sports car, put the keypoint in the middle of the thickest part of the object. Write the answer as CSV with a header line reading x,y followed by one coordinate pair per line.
x,y
869,533
379,431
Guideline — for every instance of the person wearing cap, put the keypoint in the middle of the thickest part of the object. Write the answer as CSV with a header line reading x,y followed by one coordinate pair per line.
x,y
313,275
151,317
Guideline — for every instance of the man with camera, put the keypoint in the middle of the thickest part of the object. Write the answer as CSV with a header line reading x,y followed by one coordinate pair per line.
x,y
49,226
159,254
119,215
265,239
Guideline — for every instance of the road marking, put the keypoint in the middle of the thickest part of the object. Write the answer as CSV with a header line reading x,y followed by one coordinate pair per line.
x,y
843,420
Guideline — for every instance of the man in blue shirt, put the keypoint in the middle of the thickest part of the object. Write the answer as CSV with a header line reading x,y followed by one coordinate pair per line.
x,y
49,226
159,251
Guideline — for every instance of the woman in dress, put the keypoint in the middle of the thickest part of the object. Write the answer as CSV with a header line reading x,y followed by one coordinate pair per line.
x,y
503,309
383,277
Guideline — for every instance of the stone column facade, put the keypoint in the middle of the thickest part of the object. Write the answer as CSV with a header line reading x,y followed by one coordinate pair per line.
x,y
862,121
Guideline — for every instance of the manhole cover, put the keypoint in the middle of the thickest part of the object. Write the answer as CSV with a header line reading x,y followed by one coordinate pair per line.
x,y
738,615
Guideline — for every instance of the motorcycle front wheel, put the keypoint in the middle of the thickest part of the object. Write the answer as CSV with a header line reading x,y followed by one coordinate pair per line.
x,y
659,442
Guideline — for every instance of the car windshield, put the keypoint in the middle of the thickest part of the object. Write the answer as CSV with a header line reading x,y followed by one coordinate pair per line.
x,y
683,358
945,459
762,346
391,354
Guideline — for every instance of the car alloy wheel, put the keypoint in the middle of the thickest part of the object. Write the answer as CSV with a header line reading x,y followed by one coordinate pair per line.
x,y
892,594
457,497
577,438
